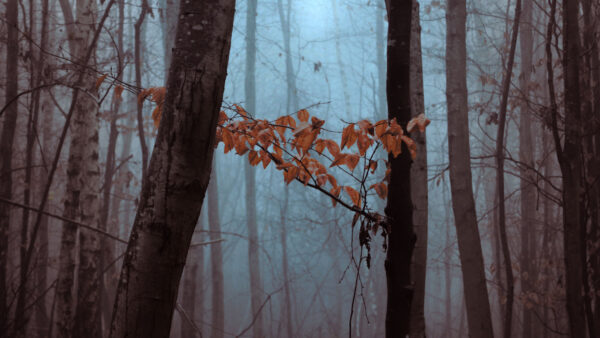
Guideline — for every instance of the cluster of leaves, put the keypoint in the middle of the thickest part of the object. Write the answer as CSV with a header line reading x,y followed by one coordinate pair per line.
x,y
295,146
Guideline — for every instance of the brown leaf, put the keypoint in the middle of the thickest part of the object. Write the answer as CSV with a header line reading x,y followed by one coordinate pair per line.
x,y
354,195
303,115
100,80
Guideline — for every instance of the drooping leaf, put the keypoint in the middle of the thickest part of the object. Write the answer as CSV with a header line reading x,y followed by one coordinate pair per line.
x,y
352,161
100,80
335,191
354,195
118,92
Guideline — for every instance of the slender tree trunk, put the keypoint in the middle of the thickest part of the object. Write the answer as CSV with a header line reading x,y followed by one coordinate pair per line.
x,y
418,182
469,243
381,65
216,258
510,287
399,210
250,175
108,249
138,82
447,271
526,158
179,172
291,103
6,147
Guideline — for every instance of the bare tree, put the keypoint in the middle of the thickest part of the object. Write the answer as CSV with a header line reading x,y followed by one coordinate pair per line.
x,y
419,188
6,148
469,243
399,209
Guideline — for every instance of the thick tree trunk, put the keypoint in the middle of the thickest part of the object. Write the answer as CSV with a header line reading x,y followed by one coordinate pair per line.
x,y
525,170
399,209
469,242
571,166
256,297
216,259
6,148
418,182
179,171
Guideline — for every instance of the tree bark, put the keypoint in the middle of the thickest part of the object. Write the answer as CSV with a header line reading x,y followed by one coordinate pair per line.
x,y
570,162
469,245
526,158
216,259
510,287
6,147
399,209
291,103
138,82
418,181
179,172
250,175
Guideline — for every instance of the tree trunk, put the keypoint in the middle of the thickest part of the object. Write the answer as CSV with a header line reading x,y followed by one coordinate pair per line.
x,y
399,209
81,202
216,259
138,82
179,172
571,165
526,158
510,287
467,233
418,182
381,65
291,104
250,98
191,286
108,248
6,147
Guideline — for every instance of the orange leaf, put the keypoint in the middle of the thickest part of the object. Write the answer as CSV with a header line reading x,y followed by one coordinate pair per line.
x,y
412,146
222,117
397,150
100,80
241,111
373,166
352,161
354,195
380,128
240,145
156,114
253,158
380,189
227,140
333,147
364,142
266,159
338,160
316,123
366,126
118,92
419,121
320,146
348,136
303,115
332,180
335,191
321,180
